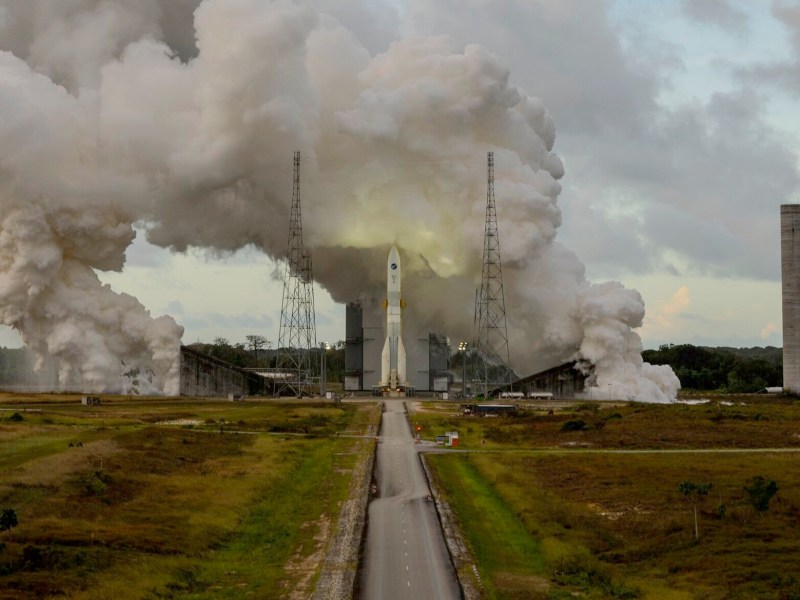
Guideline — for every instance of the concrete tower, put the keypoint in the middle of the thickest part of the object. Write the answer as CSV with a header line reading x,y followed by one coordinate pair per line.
x,y
790,277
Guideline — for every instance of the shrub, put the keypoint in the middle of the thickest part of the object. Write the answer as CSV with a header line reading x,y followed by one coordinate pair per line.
x,y
8,519
33,557
760,492
589,574
575,425
36,558
95,483
16,417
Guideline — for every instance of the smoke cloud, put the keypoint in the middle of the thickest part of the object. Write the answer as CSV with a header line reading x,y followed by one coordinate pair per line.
x,y
117,117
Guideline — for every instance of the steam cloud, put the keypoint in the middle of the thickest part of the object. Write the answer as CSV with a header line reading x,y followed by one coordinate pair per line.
x,y
114,116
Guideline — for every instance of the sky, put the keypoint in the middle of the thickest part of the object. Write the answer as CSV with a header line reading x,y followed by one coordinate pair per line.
x,y
677,124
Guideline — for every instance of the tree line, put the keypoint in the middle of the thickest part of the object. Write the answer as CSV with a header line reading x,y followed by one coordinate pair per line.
x,y
729,370
257,352
732,370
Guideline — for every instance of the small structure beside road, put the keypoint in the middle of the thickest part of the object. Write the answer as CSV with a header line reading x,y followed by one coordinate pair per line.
x,y
448,439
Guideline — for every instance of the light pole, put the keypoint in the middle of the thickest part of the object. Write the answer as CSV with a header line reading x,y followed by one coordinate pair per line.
x,y
323,384
463,347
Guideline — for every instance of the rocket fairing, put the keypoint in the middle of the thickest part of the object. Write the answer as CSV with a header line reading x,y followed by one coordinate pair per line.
x,y
393,357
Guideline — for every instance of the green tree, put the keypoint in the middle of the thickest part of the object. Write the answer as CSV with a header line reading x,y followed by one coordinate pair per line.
x,y
223,350
694,493
336,367
760,492
736,370
256,343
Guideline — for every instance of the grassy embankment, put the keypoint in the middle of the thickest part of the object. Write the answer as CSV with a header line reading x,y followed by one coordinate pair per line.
x,y
171,498
552,513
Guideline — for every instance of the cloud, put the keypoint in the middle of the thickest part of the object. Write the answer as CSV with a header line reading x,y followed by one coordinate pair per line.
x,y
667,319
175,308
782,74
678,303
716,166
241,321
725,14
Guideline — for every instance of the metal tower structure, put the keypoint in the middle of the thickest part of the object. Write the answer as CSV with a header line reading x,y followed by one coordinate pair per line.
x,y
297,336
491,340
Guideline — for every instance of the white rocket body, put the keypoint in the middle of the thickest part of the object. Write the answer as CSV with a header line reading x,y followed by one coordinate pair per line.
x,y
393,357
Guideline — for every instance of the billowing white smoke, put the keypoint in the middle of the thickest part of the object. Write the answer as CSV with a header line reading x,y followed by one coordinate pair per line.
x,y
63,215
196,143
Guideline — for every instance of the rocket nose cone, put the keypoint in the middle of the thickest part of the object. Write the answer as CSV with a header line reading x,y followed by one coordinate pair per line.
x,y
394,257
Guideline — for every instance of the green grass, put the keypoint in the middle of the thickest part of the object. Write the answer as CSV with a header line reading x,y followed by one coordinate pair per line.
x,y
253,558
503,548
141,509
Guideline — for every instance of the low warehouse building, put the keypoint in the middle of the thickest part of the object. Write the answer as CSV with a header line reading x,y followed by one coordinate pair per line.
x,y
204,375
564,381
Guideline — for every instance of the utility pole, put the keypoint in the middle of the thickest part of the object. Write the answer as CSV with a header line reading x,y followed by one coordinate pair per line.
x,y
490,305
297,334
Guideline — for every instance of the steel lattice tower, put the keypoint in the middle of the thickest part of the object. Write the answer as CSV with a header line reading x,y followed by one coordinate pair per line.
x,y
490,306
297,336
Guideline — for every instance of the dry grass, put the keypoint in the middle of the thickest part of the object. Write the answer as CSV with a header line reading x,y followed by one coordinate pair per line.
x,y
610,524
750,421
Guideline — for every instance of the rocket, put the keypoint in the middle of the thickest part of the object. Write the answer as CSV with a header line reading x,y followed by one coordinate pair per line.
x,y
393,357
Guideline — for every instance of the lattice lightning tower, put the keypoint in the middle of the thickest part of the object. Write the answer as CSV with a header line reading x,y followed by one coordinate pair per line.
x,y
490,305
297,336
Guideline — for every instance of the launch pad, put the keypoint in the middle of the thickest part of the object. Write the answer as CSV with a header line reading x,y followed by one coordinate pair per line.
x,y
401,392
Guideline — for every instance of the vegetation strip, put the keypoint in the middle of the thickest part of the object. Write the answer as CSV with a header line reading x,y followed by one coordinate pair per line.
x,y
337,580
497,539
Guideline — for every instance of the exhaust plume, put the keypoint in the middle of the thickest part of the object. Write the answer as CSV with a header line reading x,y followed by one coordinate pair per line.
x,y
138,124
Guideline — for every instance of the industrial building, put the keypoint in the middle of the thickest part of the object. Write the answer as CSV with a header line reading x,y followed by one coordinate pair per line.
x,y
790,278
426,355
564,381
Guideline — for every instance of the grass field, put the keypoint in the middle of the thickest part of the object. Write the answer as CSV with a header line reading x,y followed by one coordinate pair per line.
x,y
556,514
747,421
172,498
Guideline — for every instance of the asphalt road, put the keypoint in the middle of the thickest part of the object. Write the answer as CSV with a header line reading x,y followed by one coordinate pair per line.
x,y
405,555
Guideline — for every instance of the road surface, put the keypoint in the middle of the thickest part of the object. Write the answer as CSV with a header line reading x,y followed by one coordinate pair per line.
x,y
405,555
